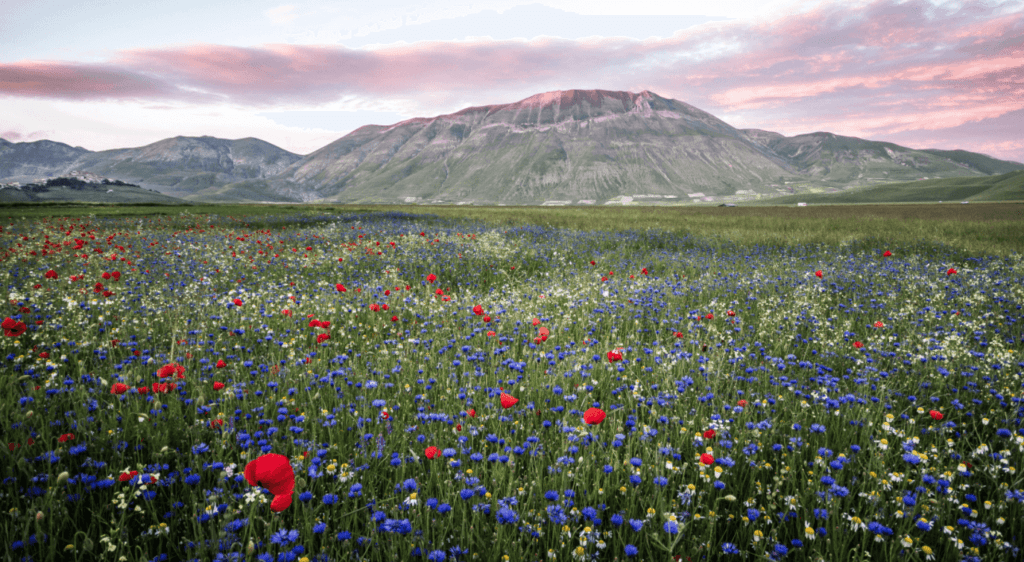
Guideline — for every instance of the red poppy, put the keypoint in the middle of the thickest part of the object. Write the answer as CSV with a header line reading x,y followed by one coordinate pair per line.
x,y
478,310
471,412
593,416
286,312
858,345
951,271
536,321
126,476
458,427
221,364
936,415
818,273
491,333
237,302
118,388
677,334
273,472
384,415
13,328
507,401
592,262
707,459
431,452
886,254
321,338
50,274
487,318
143,389
218,385
543,332
116,275
879,324
710,316
731,313
431,278
644,271
216,424
170,369
374,307
341,288
709,434
742,403
614,356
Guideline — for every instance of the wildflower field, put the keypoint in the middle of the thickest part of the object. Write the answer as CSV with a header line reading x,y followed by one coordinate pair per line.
x,y
337,385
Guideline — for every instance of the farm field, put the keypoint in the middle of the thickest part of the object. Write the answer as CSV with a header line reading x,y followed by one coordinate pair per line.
x,y
363,383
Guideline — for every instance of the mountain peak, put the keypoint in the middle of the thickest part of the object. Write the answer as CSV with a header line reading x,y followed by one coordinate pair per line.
x,y
560,102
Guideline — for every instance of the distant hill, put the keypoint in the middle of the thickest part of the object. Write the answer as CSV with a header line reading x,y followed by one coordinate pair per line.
x,y
830,160
180,166
64,189
572,146
1002,187
39,159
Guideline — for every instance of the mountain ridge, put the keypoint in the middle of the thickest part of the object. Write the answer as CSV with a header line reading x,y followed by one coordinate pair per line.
x,y
564,145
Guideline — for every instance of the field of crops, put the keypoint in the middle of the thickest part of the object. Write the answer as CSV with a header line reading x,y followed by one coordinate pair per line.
x,y
388,386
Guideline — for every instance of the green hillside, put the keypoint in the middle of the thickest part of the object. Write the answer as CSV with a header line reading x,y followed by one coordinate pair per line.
x,y
1003,187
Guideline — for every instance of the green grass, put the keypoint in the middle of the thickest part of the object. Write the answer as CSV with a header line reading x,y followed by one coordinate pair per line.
x,y
978,227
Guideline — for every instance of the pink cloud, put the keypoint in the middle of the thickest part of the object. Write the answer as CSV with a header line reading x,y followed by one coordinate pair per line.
x,y
76,81
882,68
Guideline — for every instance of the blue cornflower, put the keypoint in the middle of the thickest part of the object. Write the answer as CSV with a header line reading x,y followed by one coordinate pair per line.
x,y
719,485
330,499
729,548
636,524
436,556
200,449
753,514
551,495
344,535
662,481
319,528
631,551
507,516
671,527
409,485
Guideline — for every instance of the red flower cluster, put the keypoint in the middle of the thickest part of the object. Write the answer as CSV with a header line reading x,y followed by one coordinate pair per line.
x,y
118,388
432,452
50,274
13,328
614,356
273,472
171,369
936,415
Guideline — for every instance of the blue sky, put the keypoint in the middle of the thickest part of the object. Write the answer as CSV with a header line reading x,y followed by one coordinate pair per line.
x,y
102,74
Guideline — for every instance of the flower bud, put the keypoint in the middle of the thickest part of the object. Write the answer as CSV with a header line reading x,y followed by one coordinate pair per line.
x,y
62,478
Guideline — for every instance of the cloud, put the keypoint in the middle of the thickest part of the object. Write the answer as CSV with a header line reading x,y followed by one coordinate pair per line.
x,y
81,81
876,68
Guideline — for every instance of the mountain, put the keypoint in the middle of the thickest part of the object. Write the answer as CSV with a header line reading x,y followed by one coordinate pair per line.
x,y
182,166
563,146
567,145
830,160
179,166
30,160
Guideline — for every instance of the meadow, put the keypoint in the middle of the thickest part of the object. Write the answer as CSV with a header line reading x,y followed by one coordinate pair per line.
x,y
341,383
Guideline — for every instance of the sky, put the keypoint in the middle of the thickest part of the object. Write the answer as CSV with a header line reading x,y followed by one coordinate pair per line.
x,y
109,74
